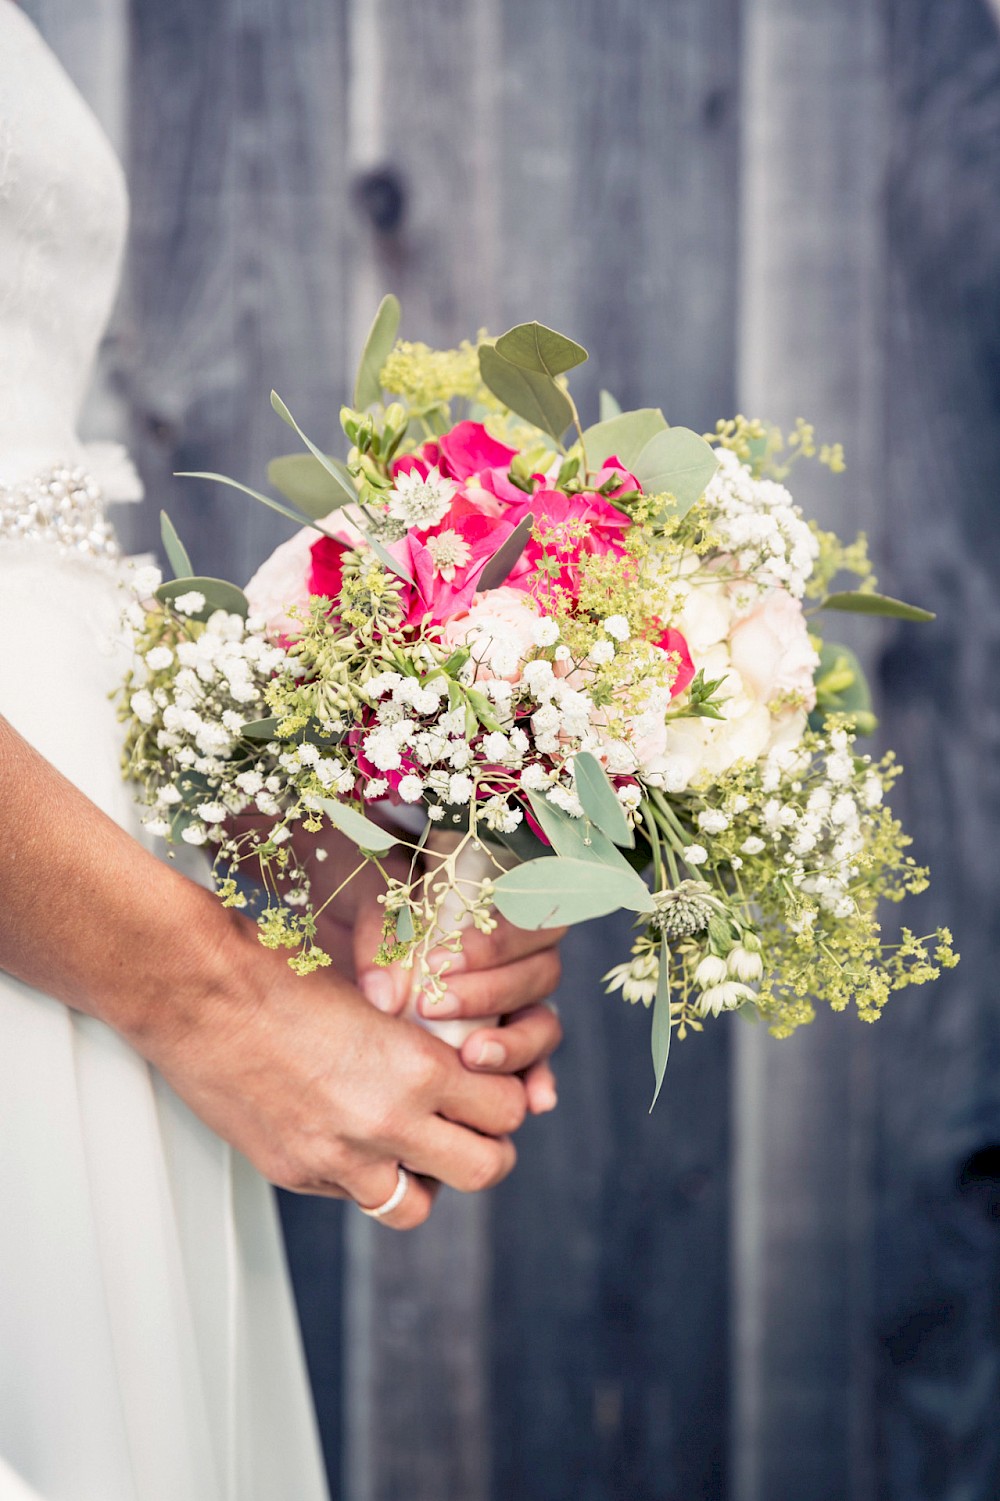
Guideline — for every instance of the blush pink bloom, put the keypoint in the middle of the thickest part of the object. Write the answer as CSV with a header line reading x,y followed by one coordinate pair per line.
x,y
771,651
499,630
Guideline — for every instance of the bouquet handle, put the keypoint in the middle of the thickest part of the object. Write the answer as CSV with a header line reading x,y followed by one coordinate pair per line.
x,y
472,865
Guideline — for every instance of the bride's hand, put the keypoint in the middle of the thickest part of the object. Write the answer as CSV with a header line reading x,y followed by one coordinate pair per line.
x,y
325,1094
507,974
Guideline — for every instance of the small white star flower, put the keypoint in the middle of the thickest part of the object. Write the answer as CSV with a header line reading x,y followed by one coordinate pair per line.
x,y
450,552
419,502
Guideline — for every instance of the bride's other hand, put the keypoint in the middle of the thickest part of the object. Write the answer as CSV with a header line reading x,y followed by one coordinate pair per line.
x,y
506,975
325,1094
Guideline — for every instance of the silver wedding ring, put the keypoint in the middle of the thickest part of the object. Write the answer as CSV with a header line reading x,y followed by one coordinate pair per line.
x,y
394,1200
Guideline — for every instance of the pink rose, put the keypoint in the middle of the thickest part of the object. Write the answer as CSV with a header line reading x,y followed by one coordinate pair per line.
x,y
771,651
499,630
281,583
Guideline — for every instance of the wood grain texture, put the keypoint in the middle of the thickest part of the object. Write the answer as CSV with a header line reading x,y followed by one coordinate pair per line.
x,y
810,346
620,208
236,283
937,1232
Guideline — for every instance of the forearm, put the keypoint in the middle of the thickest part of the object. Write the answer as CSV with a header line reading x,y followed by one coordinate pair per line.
x,y
91,918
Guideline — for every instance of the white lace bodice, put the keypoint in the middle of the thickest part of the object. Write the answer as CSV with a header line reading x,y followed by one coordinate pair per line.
x,y
63,217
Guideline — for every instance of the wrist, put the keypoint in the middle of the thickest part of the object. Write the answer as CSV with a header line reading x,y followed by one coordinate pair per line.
x,y
205,966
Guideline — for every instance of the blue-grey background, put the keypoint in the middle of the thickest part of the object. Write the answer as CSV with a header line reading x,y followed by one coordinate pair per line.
x,y
785,1285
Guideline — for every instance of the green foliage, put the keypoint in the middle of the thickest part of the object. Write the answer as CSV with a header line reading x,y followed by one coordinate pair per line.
x,y
661,1023
368,836
219,595
574,838
623,435
860,602
174,548
538,398
600,802
676,462
552,892
498,568
532,346
381,337
309,484
842,688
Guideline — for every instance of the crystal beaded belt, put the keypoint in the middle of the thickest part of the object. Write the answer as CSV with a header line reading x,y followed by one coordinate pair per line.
x,y
64,506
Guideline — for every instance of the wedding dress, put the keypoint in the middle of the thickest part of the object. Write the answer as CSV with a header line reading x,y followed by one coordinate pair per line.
x,y
148,1346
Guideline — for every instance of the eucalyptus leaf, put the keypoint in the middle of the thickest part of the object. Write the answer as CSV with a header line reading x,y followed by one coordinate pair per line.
x,y
309,484
498,569
661,1029
678,461
381,337
537,398
858,603
836,664
299,517
608,407
600,802
174,548
551,892
333,467
366,835
404,925
532,346
218,593
575,838
622,436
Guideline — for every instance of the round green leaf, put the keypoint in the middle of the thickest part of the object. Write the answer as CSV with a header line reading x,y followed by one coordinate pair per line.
x,y
365,834
624,436
677,461
532,346
537,398
551,892
219,595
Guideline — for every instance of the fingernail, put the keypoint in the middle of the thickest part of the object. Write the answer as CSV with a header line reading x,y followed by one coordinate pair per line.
x,y
545,1099
445,1005
379,988
439,959
491,1054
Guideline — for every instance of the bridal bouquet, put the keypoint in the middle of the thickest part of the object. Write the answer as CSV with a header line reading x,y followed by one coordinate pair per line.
x,y
595,661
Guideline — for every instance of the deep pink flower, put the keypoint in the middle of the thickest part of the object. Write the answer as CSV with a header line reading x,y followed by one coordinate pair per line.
x,y
326,570
468,449
613,466
571,527
432,594
673,641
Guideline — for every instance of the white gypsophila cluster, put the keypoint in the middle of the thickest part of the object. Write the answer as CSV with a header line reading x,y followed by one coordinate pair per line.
x,y
418,502
760,526
815,818
194,699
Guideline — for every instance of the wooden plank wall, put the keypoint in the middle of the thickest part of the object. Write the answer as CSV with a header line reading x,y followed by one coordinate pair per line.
x,y
782,1287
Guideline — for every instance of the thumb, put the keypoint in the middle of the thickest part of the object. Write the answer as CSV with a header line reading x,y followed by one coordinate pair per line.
x,y
387,986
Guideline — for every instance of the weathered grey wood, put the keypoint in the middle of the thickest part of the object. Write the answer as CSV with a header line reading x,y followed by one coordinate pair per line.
x,y
236,284
421,124
937,1232
620,205
809,345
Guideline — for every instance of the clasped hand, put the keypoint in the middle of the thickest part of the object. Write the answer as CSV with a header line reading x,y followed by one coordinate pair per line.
x,y
327,1094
